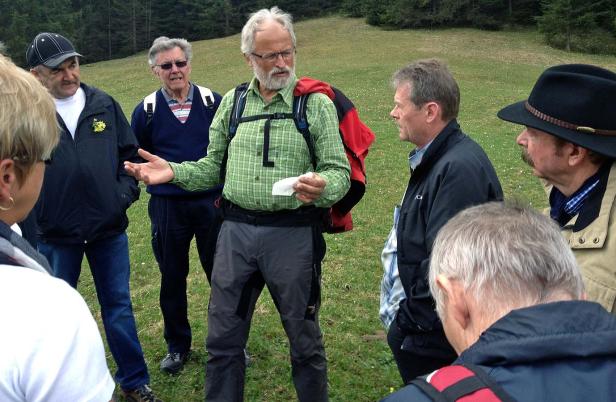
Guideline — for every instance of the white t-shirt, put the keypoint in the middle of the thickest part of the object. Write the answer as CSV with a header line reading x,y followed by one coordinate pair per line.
x,y
50,347
15,228
70,108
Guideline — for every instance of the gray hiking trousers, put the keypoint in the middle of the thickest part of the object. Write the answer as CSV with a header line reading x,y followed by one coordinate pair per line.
x,y
247,257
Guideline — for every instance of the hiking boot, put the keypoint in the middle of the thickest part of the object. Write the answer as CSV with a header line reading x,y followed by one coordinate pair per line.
x,y
173,362
142,394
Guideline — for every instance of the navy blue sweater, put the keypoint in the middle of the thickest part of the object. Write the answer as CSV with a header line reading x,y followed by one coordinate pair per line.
x,y
173,141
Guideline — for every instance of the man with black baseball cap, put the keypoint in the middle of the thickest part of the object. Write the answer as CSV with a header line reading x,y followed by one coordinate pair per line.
x,y
85,195
570,142
50,50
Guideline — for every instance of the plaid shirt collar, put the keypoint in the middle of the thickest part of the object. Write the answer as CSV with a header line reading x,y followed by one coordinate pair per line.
x,y
563,208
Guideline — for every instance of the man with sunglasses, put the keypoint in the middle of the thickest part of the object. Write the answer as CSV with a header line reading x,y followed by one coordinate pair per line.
x,y
267,237
85,195
174,122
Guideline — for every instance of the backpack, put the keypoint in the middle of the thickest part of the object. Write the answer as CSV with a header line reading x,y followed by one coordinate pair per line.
x,y
461,382
149,102
356,138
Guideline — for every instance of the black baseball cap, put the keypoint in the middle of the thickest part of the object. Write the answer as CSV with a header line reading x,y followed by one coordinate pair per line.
x,y
50,50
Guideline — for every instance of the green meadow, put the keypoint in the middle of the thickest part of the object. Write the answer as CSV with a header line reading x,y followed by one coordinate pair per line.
x,y
492,68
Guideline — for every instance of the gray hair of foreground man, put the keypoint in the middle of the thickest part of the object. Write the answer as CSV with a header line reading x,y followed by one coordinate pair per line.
x,y
431,81
28,126
252,26
506,257
162,44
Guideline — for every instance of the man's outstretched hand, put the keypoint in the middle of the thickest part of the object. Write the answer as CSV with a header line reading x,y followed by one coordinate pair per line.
x,y
155,170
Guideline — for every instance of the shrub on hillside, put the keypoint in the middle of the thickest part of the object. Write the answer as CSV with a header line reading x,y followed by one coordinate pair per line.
x,y
595,41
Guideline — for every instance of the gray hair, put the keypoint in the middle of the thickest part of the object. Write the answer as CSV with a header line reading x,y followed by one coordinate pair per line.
x,y
162,44
252,26
506,256
431,81
29,129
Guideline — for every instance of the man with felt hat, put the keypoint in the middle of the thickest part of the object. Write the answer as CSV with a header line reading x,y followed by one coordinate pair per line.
x,y
570,142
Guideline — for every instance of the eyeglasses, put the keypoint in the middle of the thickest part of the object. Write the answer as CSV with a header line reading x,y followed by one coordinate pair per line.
x,y
273,56
169,65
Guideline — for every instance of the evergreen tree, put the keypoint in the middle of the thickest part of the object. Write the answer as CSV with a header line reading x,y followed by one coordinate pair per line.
x,y
21,20
523,12
221,19
583,25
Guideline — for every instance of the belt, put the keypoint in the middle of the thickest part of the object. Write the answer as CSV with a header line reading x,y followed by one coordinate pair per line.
x,y
302,216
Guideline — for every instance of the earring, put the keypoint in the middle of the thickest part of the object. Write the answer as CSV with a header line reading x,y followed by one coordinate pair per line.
x,y
3,208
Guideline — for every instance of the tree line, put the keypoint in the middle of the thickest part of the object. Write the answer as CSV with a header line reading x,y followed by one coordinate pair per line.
x,y
575,25
107,29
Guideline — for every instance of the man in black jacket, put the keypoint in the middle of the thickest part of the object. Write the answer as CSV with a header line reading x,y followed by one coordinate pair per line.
x,y
82,206
449,172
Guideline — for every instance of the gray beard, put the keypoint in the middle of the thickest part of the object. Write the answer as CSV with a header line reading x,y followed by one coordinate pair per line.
x,y
270,82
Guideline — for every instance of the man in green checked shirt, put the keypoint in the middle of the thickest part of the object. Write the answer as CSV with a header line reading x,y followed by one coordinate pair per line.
x,y
265,238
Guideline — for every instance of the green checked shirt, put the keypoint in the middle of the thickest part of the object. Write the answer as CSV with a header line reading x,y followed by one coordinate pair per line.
x,y
248,182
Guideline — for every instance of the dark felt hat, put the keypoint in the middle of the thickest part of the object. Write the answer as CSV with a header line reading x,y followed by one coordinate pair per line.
x,y
575,102
50,50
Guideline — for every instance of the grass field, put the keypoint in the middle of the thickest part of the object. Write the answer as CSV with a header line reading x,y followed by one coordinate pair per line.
x,y
492,69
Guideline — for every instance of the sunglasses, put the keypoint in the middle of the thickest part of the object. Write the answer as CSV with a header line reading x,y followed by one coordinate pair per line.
x,y
169,65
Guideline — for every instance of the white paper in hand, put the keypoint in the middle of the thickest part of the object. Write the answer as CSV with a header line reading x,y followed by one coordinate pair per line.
x,y
284,186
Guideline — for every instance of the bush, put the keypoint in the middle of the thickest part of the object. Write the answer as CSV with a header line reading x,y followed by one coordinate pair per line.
x,y
595,41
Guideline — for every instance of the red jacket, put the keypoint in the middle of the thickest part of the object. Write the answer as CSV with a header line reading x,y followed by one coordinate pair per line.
x,y
356,137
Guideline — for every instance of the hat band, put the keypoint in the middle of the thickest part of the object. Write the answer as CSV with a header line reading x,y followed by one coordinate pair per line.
x,y
565,124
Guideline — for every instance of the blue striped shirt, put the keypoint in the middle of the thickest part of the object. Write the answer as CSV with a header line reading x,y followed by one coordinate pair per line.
x,y
563,208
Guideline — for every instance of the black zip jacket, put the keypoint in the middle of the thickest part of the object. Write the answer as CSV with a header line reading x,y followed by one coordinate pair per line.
x,y
86,191
455,173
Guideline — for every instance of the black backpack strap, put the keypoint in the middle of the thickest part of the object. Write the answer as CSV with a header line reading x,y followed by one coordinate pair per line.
x,y
239,102
466,386
453,392
266,131
462,388
149,113
149,105
489,382
300,119
207,96
428,389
